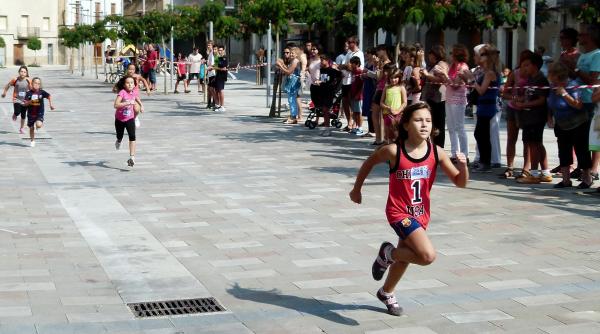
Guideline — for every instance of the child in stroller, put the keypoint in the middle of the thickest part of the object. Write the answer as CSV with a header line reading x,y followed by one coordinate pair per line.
x,y
325,95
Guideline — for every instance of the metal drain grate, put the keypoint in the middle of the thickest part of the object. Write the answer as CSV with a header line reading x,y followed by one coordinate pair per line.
x,y
176,307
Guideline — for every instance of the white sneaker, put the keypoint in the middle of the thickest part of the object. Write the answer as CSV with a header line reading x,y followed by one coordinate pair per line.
x,y
32,144
117,145
137,122
130,162
221,109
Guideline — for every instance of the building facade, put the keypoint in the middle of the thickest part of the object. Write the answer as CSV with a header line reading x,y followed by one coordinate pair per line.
x,y
19,22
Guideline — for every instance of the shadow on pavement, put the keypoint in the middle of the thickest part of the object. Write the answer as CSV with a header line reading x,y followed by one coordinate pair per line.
x,y
101,164
322,309
13,144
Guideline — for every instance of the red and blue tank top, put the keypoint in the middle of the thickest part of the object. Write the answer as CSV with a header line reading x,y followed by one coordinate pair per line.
x,y
410,184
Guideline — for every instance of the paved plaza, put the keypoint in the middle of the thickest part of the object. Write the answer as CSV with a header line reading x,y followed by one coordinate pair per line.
x,y
239,207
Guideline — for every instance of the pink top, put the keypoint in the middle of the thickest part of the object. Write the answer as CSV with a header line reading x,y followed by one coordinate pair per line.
x,y
381,83
456,95
126,113
519,81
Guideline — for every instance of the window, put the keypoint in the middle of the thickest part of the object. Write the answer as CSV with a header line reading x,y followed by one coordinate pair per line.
x,y
113,8
46,24
97,16
24,21
77,12
3,23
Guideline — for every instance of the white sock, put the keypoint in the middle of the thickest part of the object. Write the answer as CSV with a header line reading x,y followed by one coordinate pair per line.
x,y
386,294
535,172
546,172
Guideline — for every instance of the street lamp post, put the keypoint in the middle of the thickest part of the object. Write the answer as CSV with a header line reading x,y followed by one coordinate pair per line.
x,y
360,22
268,67
531,24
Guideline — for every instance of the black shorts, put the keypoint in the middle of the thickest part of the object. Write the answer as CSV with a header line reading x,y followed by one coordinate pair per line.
x,y
193,76
32,118
377,97
321,97
181,77
346,91
219,84
19,109
121,126
212,81
533,133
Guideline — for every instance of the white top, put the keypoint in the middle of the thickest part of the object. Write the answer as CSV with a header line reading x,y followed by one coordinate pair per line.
x,y
314,70
196,61
210,62
340,59
407,73
347,80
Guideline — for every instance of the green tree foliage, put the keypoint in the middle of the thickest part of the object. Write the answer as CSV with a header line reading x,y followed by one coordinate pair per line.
x,y
589,12
254,15
314,13
2,43
34,44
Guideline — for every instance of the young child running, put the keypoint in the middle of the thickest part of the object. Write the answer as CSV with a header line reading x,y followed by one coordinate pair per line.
x,y
126,102
413,161
393,101
21,85
131,71
34,101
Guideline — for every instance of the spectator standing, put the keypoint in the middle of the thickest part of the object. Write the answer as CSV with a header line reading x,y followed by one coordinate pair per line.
x,y
456,101
434,93
195,60
586,73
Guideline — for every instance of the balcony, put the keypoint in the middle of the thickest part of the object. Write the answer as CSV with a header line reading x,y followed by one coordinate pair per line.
x,y
28,32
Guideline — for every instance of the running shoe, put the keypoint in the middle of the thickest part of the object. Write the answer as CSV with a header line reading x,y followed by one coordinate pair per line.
x,y
137,122
221,109
389,300
32,144
130,162
209,105
381,262
176,92
359,132
188,91
21,131
117,145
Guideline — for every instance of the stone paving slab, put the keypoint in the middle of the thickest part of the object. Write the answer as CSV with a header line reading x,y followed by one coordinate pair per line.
x,y
239,207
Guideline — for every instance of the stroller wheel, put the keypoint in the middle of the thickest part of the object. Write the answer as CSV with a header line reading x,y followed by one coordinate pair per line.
x,y
338,124
312,124
333,122
307,123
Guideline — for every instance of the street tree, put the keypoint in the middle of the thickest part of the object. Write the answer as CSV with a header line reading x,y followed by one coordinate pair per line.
x,y
34,44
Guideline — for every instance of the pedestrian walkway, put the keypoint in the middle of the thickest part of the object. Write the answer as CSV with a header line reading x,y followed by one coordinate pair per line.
x,y
256,214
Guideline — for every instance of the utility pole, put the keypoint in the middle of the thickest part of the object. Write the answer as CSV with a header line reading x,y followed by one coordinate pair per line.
x,y
268,67
171,58
360,24
531,25
210,30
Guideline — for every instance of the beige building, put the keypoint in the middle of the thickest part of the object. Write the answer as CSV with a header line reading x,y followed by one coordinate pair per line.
x,y
22,20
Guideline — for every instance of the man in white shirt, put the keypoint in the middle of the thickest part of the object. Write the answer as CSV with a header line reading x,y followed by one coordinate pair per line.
x,y
340,58
353,51
195,60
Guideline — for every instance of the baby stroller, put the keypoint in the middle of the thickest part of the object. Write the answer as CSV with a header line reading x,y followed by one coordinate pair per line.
x,y
334,113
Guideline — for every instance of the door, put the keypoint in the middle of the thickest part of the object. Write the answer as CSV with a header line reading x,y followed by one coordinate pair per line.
x,y
18,54
50,54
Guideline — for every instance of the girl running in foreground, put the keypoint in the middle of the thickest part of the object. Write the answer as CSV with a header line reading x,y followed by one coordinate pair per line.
x,y
126,103
413,161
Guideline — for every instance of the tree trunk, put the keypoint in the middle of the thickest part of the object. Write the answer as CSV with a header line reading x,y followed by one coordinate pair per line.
x,y
95,62
82,61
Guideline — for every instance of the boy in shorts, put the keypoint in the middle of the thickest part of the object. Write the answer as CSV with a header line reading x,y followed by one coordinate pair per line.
x,y
356,89
532,119
34,100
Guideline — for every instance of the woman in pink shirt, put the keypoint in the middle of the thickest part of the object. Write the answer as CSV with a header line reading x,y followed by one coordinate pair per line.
x,y
456,101
126,103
